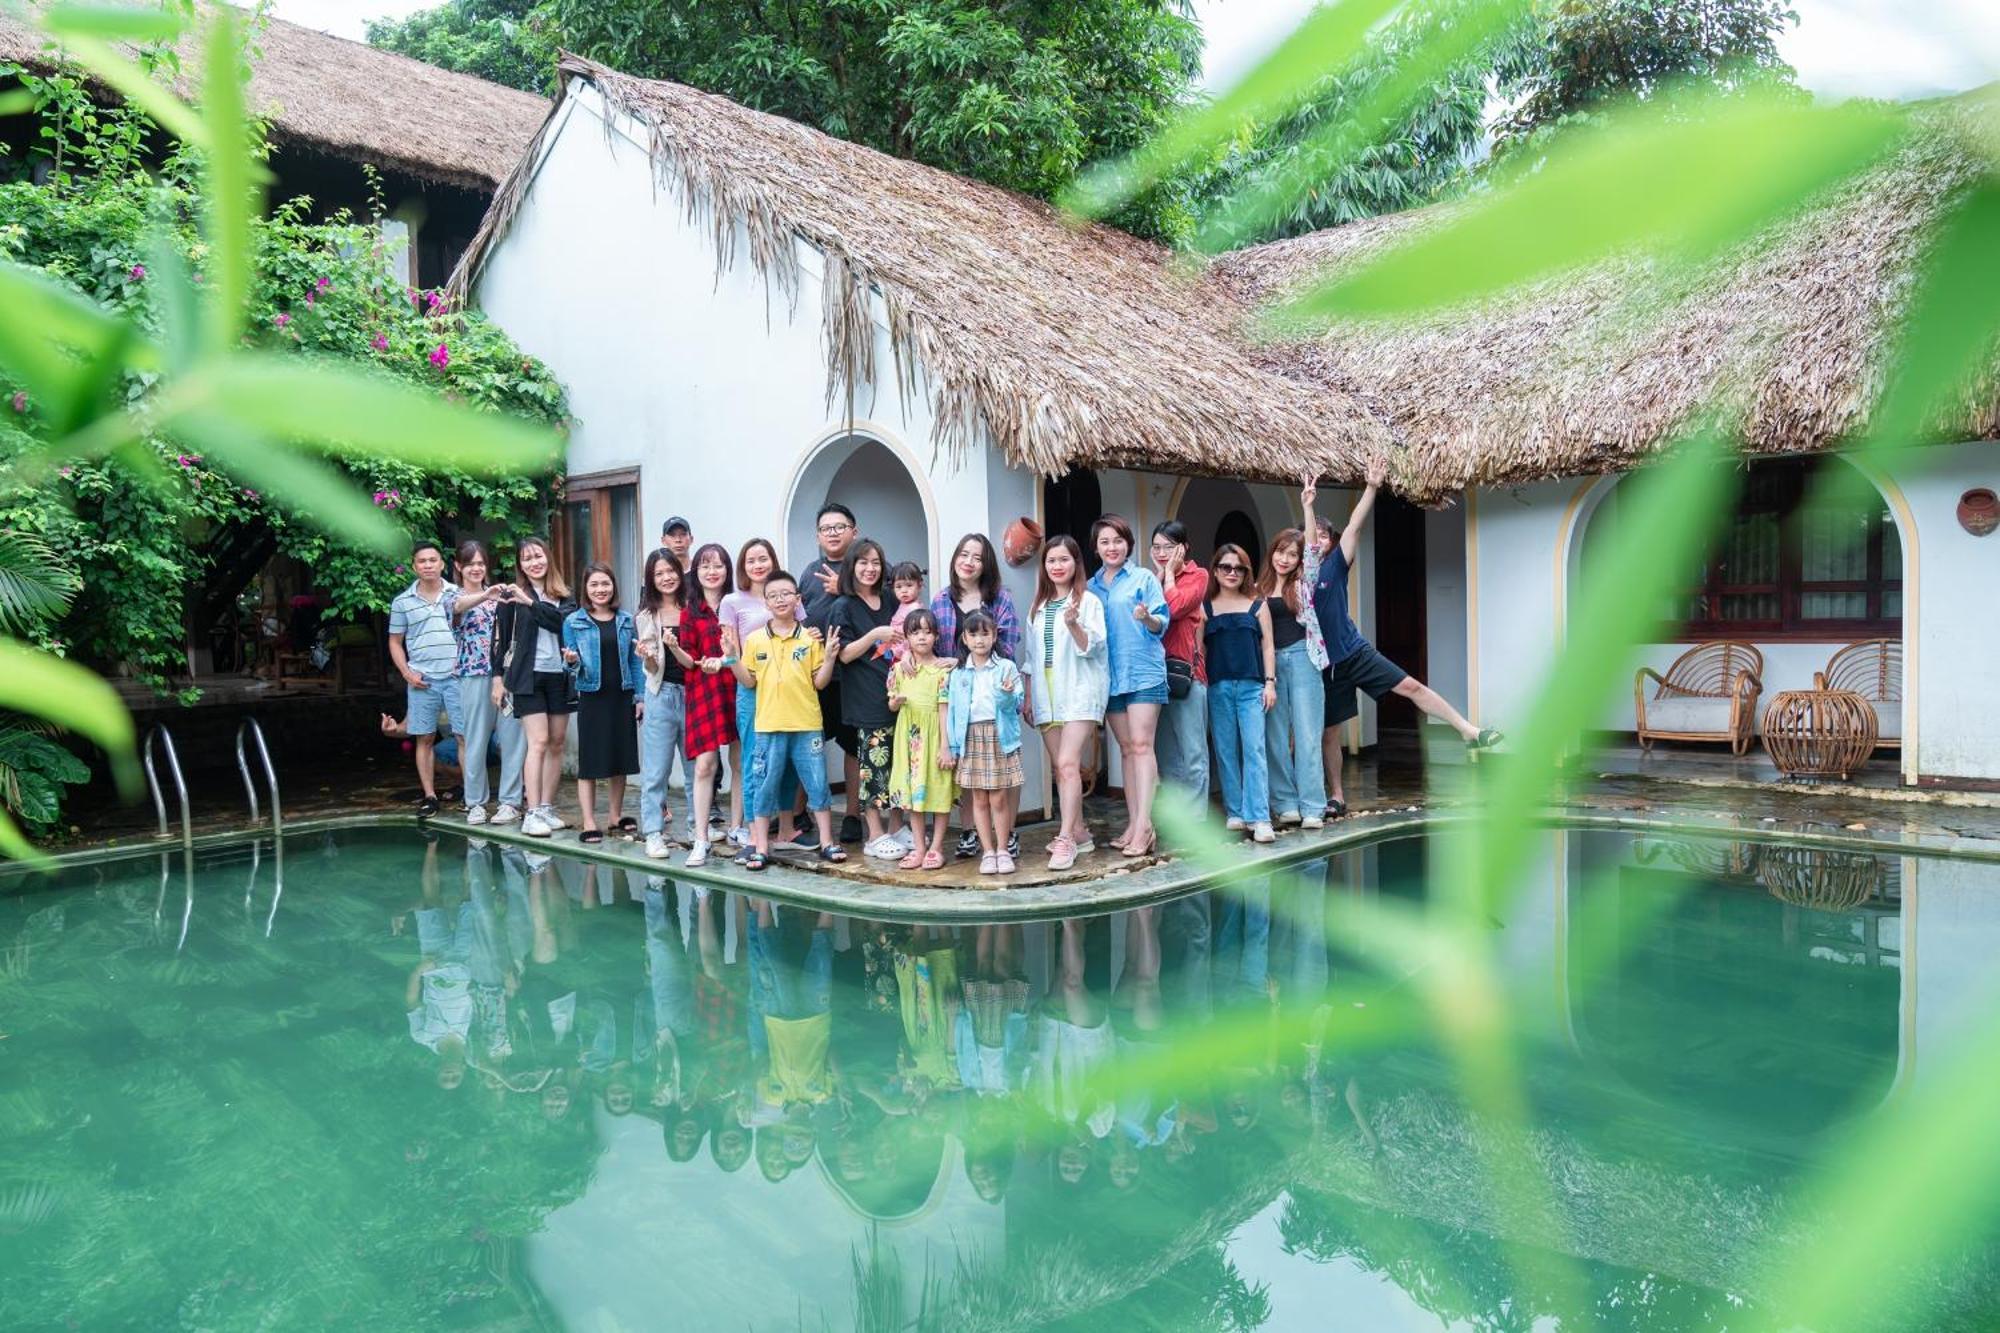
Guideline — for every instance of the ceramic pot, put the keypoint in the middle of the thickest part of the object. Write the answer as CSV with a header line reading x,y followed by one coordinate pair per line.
x,y
1978,511
1021,541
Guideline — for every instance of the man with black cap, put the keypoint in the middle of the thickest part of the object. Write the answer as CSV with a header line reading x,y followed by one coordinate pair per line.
x,y
678,537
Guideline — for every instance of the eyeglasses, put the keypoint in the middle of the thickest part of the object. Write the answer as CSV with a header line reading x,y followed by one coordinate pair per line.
x,y
834,529
1232,569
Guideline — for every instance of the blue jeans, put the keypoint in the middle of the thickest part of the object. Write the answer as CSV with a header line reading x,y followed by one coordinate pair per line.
x,y
754,761
659,745
1182,743
1292,734
421,707
483,722
1243,940
1236,721
784,752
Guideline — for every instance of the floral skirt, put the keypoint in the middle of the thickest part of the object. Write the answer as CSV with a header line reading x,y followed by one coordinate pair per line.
x,y
874,753
983,766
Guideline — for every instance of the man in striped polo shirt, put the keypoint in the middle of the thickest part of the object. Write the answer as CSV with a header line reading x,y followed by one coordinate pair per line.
x,y
425,651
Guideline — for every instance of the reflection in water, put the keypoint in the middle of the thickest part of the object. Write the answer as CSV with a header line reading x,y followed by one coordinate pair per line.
x,y
603,1099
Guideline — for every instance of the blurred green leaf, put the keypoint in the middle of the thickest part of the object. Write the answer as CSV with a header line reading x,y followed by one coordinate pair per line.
x,y
1685,182
1674,506
14,844
49,331
1329,37
17,102
74,698
289,398
297,482
138,87
118,22
228,190
1450,34
1947,341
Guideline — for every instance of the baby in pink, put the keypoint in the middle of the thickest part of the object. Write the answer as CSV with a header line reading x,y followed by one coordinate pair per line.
x,y
906,580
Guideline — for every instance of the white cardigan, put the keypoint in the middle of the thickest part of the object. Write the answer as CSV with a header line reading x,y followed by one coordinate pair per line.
x,y
1077,686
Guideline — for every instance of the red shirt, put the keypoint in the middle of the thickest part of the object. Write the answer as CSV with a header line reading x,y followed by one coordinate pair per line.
x,y
1185,596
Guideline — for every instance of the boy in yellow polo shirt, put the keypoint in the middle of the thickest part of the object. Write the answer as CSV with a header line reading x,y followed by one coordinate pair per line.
x,y
788,667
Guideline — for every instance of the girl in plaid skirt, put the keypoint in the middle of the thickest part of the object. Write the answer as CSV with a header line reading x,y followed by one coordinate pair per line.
x,y
984,727
711,688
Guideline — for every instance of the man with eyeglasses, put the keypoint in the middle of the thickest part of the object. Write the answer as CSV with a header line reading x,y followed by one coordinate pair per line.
x,y
819,586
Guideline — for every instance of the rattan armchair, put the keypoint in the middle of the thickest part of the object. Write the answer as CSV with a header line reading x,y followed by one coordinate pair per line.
x,y
1708,694
1873,669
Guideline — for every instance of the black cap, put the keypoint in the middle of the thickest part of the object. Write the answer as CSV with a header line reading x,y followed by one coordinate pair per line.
x,y
676,522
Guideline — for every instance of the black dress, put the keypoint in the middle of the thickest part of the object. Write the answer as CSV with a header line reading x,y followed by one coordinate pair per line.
x,y
607,731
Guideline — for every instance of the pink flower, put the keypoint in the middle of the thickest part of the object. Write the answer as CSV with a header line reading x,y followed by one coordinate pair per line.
x,y
138,273
441,357
249,494
310,299
188,460
322,284
20,401
401,570
65,470
389,499
435,300
381,342
282,320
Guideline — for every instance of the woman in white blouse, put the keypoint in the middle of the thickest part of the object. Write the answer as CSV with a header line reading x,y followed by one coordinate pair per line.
x,y
1064,642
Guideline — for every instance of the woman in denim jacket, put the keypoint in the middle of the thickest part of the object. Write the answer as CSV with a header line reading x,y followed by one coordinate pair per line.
x,y
607,717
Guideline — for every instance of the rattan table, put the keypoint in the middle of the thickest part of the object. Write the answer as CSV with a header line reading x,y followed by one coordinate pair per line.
x,y
1819,733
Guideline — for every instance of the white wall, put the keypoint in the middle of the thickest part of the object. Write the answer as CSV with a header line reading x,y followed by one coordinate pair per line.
x,y
1523,555
1444,601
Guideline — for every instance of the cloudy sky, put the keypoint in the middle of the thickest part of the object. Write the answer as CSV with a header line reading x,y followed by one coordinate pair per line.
x,y
1879,48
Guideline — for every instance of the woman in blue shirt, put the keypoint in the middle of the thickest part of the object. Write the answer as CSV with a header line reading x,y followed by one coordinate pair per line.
x,y
1135,619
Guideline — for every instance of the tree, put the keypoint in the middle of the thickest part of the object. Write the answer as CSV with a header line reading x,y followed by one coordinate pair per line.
x,y
499,40
1020,95
1581,54
1564,59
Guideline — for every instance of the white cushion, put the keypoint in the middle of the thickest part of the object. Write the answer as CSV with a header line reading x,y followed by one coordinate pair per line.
x,y
1888,720
1685,713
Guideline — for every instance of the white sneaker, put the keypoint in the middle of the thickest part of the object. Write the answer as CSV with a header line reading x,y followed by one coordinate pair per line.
x,y
506,814
1312,821
656,846
739,836
698,856
475,814
535,826
1233,824
885,848
552,819
1261,832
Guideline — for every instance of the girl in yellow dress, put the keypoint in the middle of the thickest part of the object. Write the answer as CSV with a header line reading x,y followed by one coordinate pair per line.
x,y
917,784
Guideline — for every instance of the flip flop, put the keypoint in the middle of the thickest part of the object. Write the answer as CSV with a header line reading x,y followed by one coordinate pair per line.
x,y
756,861
1485,740
833,853
591,836
627,826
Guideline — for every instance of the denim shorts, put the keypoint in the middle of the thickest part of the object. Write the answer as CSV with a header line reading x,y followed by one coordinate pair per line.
x,y
420,713
1151,694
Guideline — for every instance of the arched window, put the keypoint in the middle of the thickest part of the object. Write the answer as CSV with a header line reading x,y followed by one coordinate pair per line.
x,y
1803,557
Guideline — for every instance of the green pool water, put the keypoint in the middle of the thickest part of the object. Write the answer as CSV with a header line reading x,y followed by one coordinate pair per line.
x,y
440,1084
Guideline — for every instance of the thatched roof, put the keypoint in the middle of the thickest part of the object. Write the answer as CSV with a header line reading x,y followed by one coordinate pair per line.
x,y
1570,378
352,101
1070,346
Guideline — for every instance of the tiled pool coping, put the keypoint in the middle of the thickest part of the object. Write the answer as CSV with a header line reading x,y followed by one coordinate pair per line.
x,y
1957,832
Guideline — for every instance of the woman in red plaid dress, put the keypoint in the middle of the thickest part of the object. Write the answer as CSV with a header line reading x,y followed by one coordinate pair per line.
x,y
711,687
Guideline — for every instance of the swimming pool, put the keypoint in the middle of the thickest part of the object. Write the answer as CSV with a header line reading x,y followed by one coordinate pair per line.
x,y
443,1083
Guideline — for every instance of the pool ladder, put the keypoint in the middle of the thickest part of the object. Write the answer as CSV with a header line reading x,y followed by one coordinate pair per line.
x,y
160,741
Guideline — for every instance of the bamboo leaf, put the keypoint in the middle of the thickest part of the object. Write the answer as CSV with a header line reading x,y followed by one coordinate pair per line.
x,y
314,490
138,87
1686,182
74,698
1948,335
129,23
1329,37
290,398
50,331
228,186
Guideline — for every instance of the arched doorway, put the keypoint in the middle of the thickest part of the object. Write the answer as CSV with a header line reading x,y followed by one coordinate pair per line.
x,y
1217,511
1811,558
888,497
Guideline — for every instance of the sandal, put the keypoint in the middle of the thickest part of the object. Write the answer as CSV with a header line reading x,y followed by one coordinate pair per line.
x,y
833,852
911,862
627,827
1336,809
591,836
1485,740
755,860
933,860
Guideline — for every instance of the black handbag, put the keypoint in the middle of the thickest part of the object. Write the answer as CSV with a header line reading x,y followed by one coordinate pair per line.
x,y
1180,678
